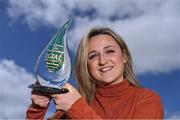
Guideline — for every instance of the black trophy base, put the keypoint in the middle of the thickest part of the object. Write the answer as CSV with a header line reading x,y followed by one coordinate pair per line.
x,y
47,90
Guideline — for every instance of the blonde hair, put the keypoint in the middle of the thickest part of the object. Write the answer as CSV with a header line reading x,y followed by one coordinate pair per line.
x,y
87,86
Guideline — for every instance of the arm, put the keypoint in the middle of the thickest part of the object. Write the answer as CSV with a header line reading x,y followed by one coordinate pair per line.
x,y
81,110
75,106
57,115
149,106
35,112
38,107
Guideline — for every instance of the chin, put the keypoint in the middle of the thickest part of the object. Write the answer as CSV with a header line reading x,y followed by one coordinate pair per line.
x,y
107,82
111,81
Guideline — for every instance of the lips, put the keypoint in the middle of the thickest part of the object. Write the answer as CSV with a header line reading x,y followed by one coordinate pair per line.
x,y
105,69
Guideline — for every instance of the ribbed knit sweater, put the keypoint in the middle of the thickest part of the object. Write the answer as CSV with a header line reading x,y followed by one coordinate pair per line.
x,y
118,101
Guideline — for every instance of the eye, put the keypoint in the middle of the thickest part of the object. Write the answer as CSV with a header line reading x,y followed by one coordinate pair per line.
x,y
92,56
110,51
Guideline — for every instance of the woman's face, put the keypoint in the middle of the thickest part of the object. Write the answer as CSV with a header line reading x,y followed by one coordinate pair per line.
x,y
105,59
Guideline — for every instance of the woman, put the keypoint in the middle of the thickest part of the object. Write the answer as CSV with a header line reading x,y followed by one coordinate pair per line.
x,y
108,88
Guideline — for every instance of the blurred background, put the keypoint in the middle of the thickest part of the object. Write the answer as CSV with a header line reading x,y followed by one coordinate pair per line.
x,y
151,29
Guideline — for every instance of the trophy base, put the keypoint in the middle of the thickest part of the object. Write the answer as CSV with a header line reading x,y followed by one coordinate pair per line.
x,y
47,90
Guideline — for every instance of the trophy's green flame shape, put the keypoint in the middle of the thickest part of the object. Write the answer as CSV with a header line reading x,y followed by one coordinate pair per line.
x,y
55,53
53,67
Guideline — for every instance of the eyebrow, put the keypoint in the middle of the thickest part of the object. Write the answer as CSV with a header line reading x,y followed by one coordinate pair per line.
x,y
109,46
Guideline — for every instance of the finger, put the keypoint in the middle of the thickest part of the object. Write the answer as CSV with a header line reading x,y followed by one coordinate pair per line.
x,y
56,102
53,95
56,96
68,86
58,107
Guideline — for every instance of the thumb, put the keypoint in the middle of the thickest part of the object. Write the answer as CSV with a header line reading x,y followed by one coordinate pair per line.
x,y
69,87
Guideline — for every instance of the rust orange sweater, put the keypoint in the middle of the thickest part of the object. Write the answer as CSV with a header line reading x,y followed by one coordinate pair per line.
x,y
117,101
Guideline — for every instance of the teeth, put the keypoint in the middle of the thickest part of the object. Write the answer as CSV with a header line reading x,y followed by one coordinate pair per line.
x,y
106,69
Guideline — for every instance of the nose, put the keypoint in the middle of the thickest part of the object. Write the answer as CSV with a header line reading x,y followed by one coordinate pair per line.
x,y
102,60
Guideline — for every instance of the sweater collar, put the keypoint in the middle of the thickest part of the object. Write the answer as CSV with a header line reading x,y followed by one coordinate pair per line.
x,y
113,90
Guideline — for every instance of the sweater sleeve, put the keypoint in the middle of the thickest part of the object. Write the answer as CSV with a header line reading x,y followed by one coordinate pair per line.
x,y
81,110
35,112
149,106
58,114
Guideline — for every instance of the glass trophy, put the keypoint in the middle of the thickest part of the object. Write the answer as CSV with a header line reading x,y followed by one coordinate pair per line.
x,y
53,66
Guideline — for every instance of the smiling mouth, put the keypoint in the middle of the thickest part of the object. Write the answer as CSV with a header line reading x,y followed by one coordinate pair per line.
x,y
105,69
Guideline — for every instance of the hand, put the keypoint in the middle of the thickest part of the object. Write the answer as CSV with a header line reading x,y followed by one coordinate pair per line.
x,y
65,101
40,100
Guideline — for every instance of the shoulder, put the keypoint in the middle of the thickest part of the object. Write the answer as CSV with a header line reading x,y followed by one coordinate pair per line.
x,y
145,94
147,104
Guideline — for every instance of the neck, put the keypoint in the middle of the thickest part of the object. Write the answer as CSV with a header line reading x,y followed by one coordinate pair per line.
x,y
113,89
110,83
